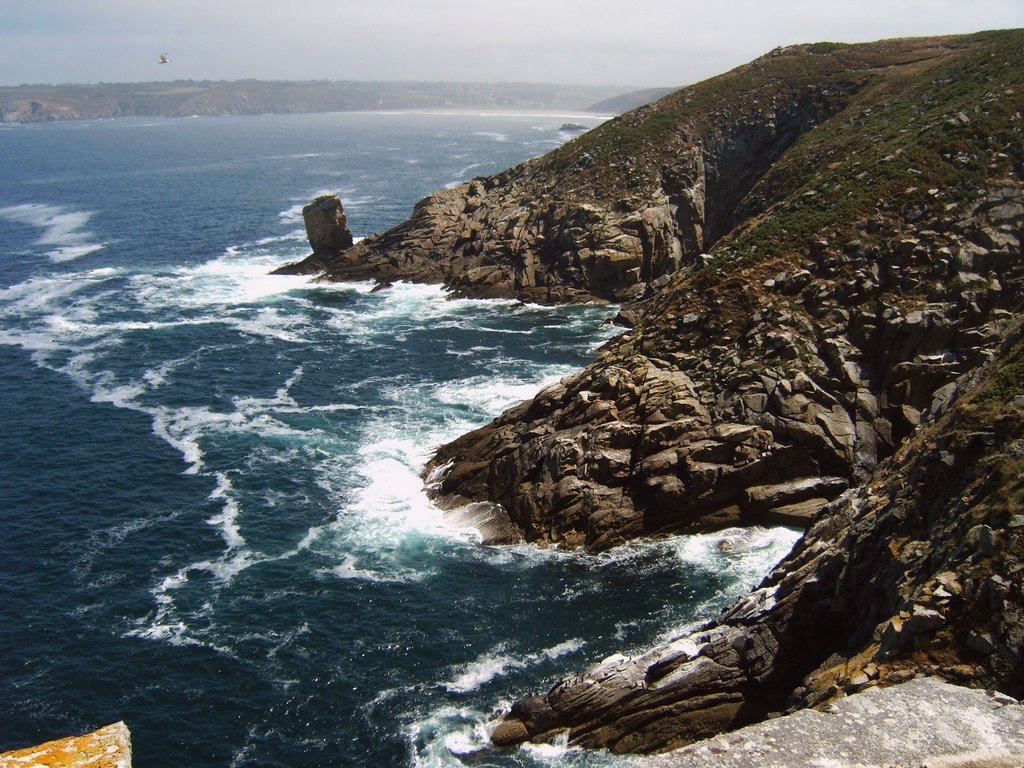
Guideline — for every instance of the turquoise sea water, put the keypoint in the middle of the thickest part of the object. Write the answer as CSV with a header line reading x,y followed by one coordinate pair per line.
x,y
211,514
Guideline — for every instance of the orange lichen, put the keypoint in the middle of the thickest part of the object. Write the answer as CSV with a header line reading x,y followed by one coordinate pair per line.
x,y
108,747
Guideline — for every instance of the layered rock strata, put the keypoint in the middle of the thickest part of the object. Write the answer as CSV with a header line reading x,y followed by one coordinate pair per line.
x,y
916,571
610,214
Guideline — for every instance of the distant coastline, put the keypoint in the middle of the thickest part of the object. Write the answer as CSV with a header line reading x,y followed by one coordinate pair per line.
x,y
186,98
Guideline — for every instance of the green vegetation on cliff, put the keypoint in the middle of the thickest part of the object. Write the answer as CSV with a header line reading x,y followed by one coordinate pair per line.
x,y
184,98
820,253
824,251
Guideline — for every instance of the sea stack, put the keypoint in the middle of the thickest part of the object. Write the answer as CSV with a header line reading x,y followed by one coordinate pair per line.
x,y
327,226
328,234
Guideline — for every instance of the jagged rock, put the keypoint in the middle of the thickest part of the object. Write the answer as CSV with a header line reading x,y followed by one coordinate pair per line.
x,y
907,574
108,747
601,235
811,311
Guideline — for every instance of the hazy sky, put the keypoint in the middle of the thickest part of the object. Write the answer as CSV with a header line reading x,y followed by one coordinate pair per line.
x,y
616,42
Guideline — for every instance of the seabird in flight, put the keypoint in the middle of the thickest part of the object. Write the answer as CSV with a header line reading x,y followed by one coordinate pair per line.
x,y
164,58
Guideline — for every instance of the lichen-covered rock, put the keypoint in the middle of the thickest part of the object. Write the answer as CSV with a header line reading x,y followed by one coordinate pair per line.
x,y
108,747
950,727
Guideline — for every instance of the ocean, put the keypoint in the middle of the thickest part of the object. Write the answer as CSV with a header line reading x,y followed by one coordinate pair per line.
x,y
211,512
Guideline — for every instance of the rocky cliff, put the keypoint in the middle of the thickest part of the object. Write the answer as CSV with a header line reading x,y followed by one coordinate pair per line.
x,y
872,264
917,571
822,253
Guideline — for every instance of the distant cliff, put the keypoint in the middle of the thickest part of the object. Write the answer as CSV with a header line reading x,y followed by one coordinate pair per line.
x,y
184,98
108,747
821,255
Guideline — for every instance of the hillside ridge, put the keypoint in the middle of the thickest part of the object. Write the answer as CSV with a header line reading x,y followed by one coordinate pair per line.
x,y
187,98
820,251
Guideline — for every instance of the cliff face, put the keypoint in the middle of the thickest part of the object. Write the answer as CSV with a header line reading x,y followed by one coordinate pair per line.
x,y
823,248
875,262
916,571
612,213
857,328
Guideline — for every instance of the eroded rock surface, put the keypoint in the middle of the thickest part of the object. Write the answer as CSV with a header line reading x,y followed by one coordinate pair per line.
x,y
756,398
916,571
611,213
327,231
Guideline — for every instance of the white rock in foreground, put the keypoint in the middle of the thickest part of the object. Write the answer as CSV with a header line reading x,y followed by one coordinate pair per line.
x,y
923,723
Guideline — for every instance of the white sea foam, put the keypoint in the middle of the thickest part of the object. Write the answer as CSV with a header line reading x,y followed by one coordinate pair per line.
x,y
45,295
63,230
497,662
745,553
497,136
453,737
447,735
349,569
492,396
227,519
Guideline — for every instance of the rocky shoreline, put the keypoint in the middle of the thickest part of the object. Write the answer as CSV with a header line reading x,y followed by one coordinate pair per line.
x,y
821,255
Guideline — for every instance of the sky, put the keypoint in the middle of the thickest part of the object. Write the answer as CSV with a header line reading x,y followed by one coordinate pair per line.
x,y
635,43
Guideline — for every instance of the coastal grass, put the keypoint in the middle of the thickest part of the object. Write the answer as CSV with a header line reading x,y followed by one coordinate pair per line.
x,y
924,145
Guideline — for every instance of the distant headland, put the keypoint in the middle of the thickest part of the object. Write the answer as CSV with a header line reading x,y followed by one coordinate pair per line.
x,y
185,98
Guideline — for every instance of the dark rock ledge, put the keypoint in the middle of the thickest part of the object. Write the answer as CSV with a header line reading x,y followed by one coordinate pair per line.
x,y
915,572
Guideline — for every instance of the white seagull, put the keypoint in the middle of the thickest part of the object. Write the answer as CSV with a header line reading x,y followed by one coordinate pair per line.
x,y
164,58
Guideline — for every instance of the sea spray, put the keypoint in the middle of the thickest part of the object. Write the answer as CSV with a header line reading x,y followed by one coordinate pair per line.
x,y
214,511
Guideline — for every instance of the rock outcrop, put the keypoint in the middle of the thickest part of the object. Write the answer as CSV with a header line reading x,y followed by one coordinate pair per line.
x,y
951,727
917,571
610,214
326,229
822,250
758,396
109,747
